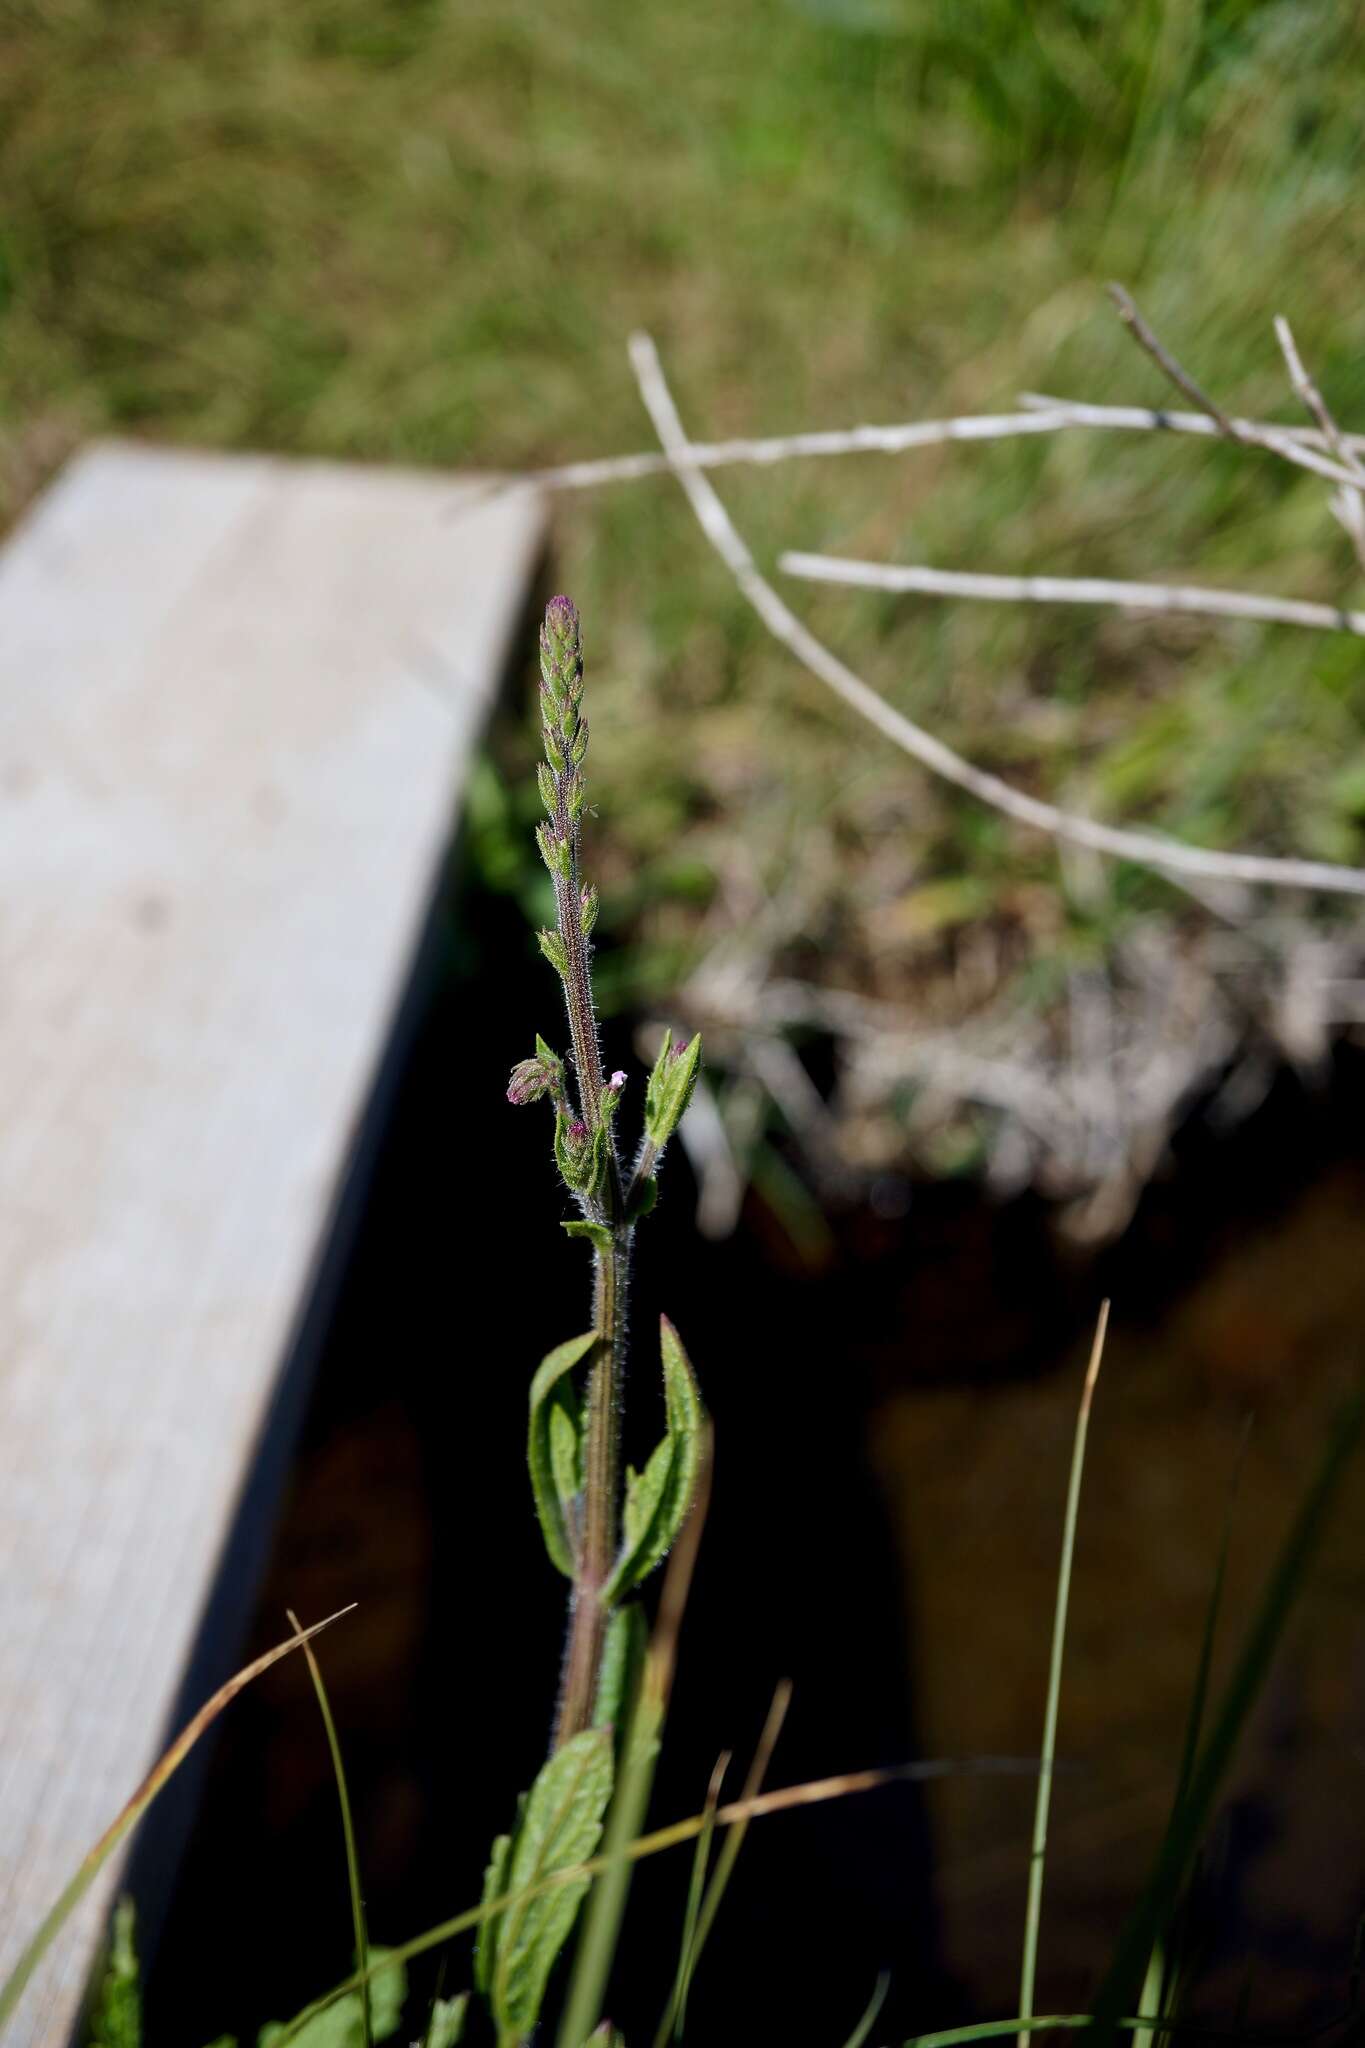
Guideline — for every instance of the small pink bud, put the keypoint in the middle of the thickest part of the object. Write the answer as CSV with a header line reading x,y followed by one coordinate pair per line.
x,y
530,1079
617,1081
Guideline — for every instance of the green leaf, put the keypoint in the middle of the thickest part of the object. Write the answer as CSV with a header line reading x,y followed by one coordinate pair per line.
x,y
669,1088
116,2019
659,1498
598,1234
555,1410
552,946
342,2025
494,1886
561,1825
445,2029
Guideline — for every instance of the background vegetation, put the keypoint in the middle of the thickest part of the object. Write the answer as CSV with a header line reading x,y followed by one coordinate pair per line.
x,y
419,231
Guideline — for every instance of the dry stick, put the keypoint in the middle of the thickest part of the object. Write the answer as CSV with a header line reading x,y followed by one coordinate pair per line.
x,y
1132,597
1038,415
1168,365
1349,504
1299,445
1143,847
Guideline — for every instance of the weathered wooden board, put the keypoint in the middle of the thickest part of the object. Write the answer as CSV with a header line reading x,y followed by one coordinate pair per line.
x,y
237,700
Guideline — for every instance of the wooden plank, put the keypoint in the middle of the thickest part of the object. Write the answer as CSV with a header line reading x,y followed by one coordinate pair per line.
x,y
237,700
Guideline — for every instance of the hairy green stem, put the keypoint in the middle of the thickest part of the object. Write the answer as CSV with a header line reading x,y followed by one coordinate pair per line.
x,y
601,1490
611,1282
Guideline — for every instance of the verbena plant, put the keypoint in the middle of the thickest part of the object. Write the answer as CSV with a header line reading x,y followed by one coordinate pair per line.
x,y
607,1529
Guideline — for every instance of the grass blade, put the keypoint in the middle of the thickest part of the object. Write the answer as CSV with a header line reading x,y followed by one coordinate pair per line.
x,y
1160,1982
734,1837
1199,1697
121,1827
675,2013
869,2018
1188,1822
1038,1852
358,1929
632,1849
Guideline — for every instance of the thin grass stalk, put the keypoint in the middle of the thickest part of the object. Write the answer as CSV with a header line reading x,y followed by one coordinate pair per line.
x,y
359,1931
734,1839
122,1826
675,2012
1249,1674
873,2007
1042,1805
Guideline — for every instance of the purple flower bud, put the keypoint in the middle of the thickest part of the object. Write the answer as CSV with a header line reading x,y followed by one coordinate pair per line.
x,y
561,653
617,1081
530,1079
578,1132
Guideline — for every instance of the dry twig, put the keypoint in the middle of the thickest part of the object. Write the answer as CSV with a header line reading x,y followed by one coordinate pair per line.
x,y
1146,848
1131,597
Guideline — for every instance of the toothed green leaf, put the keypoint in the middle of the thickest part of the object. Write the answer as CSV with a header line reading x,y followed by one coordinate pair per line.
x,y
560,1825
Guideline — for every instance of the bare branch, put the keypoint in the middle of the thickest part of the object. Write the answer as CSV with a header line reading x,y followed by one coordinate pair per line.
x,y
1349,503
1147,340
1145,848
1131,597
1300,445
1291,444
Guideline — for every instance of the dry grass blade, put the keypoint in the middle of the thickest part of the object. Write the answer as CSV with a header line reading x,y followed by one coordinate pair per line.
x,y
1172,856
119,1829
1038,1854
358,1928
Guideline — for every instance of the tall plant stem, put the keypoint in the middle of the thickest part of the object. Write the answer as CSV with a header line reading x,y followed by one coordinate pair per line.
x,y
601,1489
611,1287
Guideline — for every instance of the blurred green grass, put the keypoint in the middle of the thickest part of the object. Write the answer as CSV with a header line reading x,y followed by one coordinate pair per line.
x,y
419,231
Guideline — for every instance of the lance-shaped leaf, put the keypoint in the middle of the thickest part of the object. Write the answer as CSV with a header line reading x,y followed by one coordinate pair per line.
x,y
669,1088
659,1498
554,1449
560,1826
